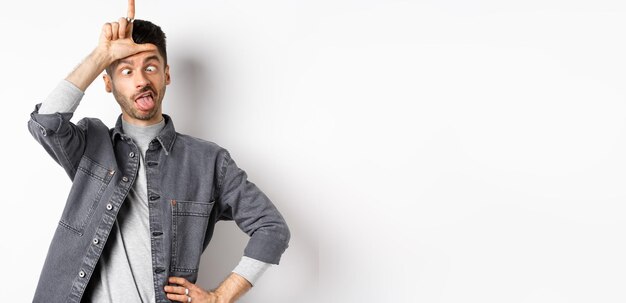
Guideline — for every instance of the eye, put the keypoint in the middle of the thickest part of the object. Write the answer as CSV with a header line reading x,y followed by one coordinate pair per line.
x,y
151,68
125,71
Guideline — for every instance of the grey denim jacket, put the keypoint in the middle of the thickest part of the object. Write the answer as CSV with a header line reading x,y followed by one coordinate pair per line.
x,y
192,184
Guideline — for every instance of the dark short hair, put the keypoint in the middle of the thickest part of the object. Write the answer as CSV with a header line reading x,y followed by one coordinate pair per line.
x,y
147,32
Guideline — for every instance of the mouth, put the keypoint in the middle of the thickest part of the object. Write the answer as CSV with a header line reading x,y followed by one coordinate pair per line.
x,y
145,101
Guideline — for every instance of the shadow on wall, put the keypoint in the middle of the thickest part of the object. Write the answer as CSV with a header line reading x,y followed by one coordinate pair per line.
x,y
188,96
193,104
188,103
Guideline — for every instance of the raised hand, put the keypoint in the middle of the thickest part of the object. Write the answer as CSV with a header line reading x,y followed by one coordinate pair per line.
x,y
116,39
116,42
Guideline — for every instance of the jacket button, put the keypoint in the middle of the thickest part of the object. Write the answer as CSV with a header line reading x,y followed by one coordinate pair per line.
x,y
125,179
131,154
81,274
109,206
96,241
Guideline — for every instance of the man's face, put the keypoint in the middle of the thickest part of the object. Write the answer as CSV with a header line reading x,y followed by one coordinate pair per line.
x,y
138,84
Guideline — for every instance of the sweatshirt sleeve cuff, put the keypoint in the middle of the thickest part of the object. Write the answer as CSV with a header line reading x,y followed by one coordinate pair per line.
x,y
251,269
63,99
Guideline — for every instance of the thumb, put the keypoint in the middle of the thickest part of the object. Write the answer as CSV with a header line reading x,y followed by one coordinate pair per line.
x,y
144,47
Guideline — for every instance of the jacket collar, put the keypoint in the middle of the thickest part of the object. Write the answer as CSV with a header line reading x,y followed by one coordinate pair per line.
x,y
166,137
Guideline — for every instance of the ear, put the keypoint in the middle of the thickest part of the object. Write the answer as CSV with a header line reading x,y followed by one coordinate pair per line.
x,y
107,83
168,80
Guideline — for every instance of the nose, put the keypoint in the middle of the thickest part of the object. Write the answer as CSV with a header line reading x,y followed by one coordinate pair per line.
x,y
140,80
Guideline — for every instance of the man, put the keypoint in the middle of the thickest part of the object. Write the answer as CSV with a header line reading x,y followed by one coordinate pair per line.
x,y
144,199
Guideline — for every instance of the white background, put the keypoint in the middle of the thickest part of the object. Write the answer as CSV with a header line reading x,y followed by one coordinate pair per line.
x,y
421,151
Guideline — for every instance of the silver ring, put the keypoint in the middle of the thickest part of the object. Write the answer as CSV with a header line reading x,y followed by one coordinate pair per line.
x,y
186,291
188,299
129,20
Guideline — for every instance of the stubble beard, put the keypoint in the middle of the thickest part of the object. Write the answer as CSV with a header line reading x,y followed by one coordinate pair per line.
x,y
128,104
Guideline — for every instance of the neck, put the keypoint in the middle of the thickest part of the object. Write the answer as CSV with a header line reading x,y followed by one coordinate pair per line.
x,y
142,135
138,122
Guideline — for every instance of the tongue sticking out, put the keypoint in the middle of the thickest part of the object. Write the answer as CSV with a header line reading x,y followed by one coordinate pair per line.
x,y
145,103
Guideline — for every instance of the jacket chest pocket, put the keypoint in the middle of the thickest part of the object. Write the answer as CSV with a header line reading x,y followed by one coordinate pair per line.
x,y
89,183
189,224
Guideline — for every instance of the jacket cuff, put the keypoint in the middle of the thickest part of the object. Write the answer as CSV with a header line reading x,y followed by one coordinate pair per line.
x,y
265,248
49,123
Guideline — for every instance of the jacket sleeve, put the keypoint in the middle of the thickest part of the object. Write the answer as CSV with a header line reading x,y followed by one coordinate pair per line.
x,y
63,140
254,213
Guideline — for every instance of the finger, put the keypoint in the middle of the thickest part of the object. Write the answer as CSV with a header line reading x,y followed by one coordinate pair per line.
x,y
122,30
179,298
179,290
106,30
129,30
178,280
115,27
131,10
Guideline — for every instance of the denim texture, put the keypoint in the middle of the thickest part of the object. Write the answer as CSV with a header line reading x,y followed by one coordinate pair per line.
x,y
191,183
